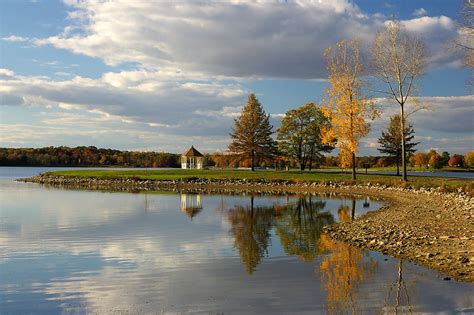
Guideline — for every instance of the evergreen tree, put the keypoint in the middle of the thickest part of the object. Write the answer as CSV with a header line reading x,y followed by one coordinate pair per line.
x,y
252,134
444,158
300,134
391,140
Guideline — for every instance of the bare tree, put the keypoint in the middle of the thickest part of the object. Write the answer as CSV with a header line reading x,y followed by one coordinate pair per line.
x,y
467,31
399,60
465,41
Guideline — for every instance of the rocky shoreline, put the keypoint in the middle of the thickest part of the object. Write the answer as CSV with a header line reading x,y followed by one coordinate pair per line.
x,y
427,226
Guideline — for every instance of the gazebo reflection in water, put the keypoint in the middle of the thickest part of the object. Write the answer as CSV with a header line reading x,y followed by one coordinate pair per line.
x,y
191,203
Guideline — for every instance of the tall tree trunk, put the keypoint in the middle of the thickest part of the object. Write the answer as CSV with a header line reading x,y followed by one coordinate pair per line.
x,y
353,166
398,165
253,161
404,162
302,161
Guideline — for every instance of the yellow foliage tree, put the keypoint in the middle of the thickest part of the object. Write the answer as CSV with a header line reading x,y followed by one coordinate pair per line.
x,y
469,159
346,106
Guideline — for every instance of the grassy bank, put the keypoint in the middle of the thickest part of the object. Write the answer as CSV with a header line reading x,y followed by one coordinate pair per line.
x,y
447,183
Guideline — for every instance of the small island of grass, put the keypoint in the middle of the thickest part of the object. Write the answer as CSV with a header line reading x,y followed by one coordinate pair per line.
x,y
320,177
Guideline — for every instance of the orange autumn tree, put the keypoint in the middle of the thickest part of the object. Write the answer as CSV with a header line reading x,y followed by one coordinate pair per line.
x,y
346,107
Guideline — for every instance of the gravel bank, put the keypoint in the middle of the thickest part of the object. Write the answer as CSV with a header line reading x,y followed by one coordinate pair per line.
x,y
429,227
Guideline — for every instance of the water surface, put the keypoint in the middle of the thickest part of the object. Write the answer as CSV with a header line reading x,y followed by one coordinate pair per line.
x,y
67,251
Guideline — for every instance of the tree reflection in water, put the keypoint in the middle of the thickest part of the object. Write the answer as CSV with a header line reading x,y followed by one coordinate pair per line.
x,y
401,293
343,269
251,229
300,225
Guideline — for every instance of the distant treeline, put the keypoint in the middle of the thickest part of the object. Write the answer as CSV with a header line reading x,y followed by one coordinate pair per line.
x,y
85,156
92,156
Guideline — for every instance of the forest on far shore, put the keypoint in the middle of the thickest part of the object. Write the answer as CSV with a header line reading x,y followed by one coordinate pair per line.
x,y
93,156
85,156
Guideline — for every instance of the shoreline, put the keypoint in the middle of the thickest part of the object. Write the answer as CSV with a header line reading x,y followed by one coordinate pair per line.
x,y
426,226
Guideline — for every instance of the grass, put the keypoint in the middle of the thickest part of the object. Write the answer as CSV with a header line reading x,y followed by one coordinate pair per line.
x,y
449,184
409,168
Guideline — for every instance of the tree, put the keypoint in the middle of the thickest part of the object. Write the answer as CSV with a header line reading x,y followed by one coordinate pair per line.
x,y
456,161
391,140
434,159
251,228
420,159
347,108
331,160
299,135
444,158
469,159
466,39
300,225
399,60
252,134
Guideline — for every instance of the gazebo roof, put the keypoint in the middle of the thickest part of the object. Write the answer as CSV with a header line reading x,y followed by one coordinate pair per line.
x,y
192,152
191,212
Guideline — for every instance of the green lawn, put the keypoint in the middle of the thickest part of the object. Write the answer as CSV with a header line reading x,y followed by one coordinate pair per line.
x,y
297,176
409,168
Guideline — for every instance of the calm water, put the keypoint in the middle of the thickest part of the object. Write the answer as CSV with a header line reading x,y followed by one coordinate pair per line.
x,y
66,251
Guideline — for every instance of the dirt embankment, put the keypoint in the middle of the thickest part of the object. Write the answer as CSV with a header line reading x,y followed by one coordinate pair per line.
x,y
432,228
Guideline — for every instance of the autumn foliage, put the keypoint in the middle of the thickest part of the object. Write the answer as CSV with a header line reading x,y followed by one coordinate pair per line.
x,y
469,159
346,107
342,271
456,161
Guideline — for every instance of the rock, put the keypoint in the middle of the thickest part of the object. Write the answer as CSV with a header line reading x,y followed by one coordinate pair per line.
x,y
463,260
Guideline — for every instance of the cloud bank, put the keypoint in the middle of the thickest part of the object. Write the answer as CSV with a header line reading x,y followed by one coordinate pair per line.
x,y
278,39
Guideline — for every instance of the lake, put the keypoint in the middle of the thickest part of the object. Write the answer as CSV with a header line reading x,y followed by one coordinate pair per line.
x,y
76,251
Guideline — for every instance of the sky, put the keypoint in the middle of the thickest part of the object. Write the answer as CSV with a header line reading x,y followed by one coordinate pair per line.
x,y
165,75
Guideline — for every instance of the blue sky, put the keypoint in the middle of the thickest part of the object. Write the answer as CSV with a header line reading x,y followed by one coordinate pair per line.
x,y
164,75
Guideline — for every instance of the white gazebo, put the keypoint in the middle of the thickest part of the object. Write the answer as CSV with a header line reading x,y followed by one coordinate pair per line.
x,y
192,158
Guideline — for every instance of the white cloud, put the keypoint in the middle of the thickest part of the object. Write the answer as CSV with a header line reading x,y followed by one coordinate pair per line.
x,y
152,97
6,73
15,39
447,125
420,12
129,109
63,74
451,114
236,39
